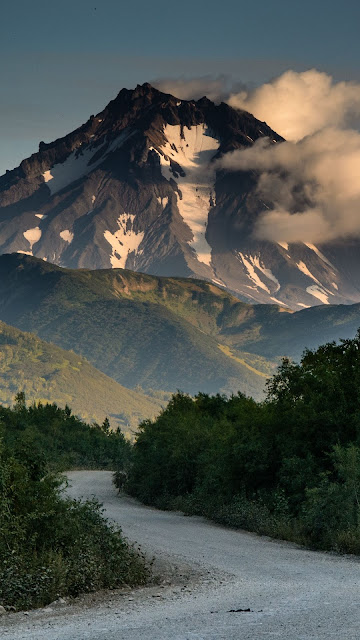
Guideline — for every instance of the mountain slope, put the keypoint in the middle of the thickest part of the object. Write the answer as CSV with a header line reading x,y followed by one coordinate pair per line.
x,y
136,186
139,329
49,374
289,335
162,333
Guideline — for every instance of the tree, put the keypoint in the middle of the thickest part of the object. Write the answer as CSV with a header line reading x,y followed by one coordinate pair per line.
x,y
105,427
20,401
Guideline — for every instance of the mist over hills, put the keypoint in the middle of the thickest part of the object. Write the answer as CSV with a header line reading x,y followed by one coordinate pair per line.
x,y
147,184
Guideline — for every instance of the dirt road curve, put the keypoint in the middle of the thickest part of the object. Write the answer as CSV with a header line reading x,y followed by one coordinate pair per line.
x,y
293,594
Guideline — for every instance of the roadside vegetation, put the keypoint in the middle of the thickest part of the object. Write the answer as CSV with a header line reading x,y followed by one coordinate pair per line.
x,y
50,545
61,440
288,467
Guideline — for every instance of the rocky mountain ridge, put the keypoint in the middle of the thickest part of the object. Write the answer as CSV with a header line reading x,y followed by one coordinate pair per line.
x,y
137,186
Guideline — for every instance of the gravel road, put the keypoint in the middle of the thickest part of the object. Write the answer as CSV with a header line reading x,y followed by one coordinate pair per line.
x,y
292,594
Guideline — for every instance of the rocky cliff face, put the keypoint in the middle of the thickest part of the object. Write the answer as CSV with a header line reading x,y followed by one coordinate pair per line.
x,y
137,186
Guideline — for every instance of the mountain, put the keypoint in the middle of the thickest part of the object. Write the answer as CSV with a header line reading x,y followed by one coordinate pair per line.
x,y
162,333
49,374
159,333
136,186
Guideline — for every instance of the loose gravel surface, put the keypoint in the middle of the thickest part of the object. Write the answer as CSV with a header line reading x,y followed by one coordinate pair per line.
x,y
214,583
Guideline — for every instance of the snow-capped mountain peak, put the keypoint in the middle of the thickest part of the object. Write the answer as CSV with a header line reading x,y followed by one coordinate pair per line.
x,y
137,186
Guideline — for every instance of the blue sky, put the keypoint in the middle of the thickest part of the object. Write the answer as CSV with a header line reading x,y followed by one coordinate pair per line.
x,y
63,61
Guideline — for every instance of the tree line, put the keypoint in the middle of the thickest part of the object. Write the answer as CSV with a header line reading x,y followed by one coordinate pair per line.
x,y
287,467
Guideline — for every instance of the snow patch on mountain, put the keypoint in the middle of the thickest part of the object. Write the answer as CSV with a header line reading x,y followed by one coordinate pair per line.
x,y
79,163
163,201
319,254
191,150
124,241
267,272
278,301
75,166
252,273
118,142
253,264
32,236
304,269
67,235
218,282
319,293
42,216
47,176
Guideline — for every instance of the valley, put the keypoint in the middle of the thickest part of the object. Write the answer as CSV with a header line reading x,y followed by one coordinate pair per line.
x,y
162,334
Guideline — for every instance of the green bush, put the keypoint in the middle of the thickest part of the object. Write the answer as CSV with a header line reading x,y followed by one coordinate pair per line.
x,y
287,467
61,440
51,545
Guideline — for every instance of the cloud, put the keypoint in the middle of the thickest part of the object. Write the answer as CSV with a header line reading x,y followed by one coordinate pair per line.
x,y
217,89
296,104
310,184
310,189
194,88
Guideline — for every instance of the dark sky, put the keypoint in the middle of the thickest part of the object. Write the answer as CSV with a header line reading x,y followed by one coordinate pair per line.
x,y
62,61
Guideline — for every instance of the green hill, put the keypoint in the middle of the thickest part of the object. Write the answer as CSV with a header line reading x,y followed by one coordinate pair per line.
x,y
288,334
162,333
159,333
49,374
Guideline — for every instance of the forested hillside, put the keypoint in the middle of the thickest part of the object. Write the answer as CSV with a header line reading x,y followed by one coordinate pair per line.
x,y
159,333
47,373
162,333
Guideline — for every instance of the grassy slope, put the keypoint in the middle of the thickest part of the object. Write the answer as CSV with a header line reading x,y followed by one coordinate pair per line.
x,y
47,373
164,333
290,334
157,332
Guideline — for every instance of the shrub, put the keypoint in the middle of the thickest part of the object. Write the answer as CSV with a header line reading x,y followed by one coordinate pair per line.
x,y
288,467
51,545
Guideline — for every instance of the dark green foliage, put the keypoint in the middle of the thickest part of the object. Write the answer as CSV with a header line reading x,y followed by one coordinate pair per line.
x,y
51,546
288,467
60,438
